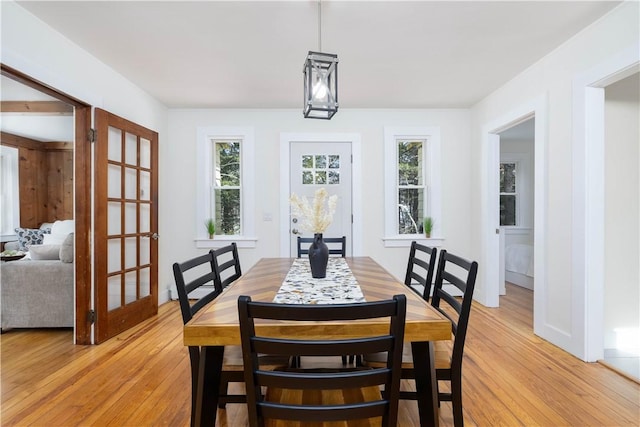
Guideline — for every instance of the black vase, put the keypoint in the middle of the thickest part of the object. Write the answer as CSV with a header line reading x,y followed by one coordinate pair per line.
x,y
318,257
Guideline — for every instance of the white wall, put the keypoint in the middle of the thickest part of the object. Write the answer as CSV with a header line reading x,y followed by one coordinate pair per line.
x,y
178,159
563,311
35,49
622,210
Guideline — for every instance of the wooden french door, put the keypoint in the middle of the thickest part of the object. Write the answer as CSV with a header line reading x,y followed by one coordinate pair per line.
x,y
126,224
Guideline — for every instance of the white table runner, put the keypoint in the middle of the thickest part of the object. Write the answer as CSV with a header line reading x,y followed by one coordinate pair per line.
x,y
338,287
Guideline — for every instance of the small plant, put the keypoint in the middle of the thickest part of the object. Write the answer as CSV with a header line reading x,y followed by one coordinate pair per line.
x,y
211,227
428,226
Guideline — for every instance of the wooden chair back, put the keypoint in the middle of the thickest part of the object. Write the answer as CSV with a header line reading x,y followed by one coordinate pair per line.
x,y
336,245
420,269
303,345
226,265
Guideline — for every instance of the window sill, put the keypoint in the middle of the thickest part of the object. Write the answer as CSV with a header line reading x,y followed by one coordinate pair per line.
x,y
220,241
404,241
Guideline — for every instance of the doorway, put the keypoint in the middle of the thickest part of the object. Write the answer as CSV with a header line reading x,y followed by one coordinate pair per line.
x,y
315,165
354,222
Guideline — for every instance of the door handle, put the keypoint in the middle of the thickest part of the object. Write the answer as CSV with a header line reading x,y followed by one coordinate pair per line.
x,y
154,236
295,231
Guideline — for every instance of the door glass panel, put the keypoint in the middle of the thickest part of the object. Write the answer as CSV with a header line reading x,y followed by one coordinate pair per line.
x,y
145,282
321,162
145,250
321,177
115,144
334,161
114,292
131,149
307,162
145,153
130,183
145,218
145,185
130,252
113,258
114,225
113,182
334,177
130,218
307,177
130,287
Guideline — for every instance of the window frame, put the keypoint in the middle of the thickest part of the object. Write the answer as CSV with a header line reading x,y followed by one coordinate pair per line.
x,y
9,162
516,194
432,187
207,137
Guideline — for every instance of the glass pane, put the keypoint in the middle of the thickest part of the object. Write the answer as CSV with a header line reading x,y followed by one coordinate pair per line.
x,y
334,161
145,218
130,183
113,223
130,218
227,164
334,177
113,181
507,210
115,144
145,282
307,177
145,251
131,149
113,256
507,177
321,162
130,252
410,210
321,177
130,287
307,162
145,153
227,213
114,292
410,163
145,185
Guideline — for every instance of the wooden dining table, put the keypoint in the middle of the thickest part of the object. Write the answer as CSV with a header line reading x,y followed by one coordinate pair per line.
x,y
216,326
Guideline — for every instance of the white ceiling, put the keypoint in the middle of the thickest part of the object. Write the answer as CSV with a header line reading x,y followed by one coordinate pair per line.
x,y
393,54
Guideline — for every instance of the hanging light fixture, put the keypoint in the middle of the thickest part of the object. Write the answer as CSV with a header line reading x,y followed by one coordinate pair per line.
x,y
320,80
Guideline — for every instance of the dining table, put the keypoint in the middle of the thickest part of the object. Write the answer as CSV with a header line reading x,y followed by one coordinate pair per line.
x,y
217,325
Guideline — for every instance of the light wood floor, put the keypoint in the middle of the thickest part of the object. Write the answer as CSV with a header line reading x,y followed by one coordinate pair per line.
x,y
141,378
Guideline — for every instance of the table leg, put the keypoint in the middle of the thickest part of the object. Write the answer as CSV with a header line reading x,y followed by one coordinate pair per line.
x,y
426,384
209,374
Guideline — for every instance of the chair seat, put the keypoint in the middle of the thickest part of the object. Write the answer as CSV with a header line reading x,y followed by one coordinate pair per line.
x,y
442,351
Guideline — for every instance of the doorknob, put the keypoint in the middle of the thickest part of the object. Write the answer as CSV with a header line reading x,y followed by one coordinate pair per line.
x,y
295,231
155,236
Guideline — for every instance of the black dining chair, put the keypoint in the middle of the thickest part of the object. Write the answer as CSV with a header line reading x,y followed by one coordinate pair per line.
x,y
196,284
336,245
226,265
288,406
420,269
460,273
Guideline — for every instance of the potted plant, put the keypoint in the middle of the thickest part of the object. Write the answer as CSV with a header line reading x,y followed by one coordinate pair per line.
x,y
428,226
211,227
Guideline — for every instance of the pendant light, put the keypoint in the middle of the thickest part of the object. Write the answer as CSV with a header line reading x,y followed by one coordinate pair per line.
x,y
320,80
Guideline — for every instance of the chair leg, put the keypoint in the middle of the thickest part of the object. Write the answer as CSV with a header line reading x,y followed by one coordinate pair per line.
x,y
224,391
456,399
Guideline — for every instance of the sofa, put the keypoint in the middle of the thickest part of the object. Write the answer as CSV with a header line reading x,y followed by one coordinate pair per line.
x,y
38,290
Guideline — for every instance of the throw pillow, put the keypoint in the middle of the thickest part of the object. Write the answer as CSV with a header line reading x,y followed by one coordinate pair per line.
x,y
42,252
28,237
66,249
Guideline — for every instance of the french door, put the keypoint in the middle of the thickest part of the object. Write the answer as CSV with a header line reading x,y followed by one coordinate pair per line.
x,y
126,224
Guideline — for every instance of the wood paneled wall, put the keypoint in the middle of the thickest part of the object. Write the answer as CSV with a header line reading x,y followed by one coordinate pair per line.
x,y
46,179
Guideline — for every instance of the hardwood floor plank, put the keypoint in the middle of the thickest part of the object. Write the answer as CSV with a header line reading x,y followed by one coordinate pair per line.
x,y
142,378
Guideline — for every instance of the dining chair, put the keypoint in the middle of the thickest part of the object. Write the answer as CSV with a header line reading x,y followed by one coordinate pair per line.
x,y
336,245
461,273
420,268
197,277
226,265
290,406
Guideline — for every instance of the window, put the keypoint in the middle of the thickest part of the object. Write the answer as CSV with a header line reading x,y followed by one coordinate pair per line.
x,y
508,194
9,191
225,186
412,183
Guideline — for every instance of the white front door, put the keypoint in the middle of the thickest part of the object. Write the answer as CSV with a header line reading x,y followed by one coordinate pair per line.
x,y
315,165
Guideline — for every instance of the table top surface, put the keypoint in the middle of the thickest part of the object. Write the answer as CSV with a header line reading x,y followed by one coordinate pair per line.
x,y
217,323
